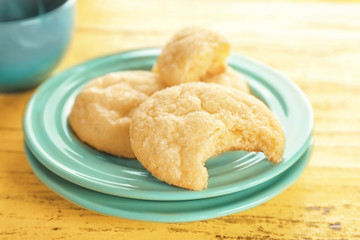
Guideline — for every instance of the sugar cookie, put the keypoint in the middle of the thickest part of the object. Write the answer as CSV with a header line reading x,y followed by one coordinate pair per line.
x,y
102,111
177,129
192,54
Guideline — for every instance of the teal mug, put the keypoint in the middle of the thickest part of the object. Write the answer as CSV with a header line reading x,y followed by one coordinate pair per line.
x,y
34,35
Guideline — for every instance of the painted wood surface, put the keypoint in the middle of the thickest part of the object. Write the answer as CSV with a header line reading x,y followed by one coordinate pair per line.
x,y
316,44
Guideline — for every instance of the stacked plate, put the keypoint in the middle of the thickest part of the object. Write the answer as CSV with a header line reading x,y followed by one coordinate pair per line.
x,y
123,188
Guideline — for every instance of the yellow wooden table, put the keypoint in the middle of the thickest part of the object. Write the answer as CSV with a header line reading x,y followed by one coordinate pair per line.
x,y
317,45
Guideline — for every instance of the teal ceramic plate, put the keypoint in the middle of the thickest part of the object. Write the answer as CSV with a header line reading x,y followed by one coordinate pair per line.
x,y
52,142
169,211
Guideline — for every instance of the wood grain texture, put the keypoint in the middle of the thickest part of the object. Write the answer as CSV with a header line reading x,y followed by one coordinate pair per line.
x,y
316,44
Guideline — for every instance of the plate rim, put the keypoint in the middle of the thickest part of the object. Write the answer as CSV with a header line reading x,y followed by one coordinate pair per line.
x,y
284,181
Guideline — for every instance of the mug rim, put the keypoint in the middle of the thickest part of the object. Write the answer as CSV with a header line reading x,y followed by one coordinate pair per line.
x,y
66,4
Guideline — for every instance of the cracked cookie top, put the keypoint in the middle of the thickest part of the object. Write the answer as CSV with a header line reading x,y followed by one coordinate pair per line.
x,y
177,129
102,111
192,54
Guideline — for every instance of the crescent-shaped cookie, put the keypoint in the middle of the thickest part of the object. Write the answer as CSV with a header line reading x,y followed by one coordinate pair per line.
x,y
177,129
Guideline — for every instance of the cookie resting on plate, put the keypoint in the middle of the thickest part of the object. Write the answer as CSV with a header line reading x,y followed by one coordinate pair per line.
x,y
177,129
191,55
103,109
